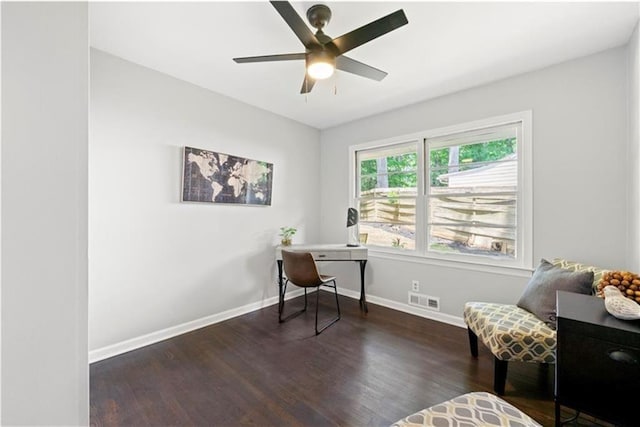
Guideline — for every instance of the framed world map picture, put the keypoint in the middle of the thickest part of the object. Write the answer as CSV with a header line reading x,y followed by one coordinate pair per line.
x,y
214,177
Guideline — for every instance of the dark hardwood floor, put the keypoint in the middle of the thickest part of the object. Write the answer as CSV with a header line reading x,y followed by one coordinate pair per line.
x,y
364,370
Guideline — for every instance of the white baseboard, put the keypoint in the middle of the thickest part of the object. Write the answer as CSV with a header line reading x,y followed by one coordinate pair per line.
x,y
161,335
406,308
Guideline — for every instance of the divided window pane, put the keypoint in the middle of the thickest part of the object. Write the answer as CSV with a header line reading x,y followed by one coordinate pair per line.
x,y
460,193
473,193
387,191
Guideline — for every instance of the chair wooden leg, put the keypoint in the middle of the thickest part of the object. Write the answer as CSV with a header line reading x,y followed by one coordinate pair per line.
x,y
499,376
473,342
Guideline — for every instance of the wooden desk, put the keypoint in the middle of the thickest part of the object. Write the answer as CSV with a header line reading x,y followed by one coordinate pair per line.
x,y
330,252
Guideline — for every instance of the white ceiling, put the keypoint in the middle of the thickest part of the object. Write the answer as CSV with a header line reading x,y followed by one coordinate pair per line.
x,y
446,47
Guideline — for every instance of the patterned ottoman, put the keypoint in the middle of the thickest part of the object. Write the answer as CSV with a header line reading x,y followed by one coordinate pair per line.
x,y
468,410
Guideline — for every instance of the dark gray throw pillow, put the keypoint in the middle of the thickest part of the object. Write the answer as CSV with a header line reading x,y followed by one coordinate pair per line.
x,y
539,297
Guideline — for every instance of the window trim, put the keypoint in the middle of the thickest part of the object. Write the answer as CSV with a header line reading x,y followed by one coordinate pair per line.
x,y
524,212
354,178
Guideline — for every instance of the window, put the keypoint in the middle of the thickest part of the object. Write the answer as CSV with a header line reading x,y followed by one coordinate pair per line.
x,y
461,193
473,192
386,195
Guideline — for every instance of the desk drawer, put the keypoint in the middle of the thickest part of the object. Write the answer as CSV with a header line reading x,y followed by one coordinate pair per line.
x,y
331,255
598,376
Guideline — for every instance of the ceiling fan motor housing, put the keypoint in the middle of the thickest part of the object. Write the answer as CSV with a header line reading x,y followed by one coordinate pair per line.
x,y
321,56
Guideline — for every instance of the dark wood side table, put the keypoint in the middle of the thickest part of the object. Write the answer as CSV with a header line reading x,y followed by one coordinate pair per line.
x,y
598,361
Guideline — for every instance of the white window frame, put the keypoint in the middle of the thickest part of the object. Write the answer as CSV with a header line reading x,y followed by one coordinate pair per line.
x,y
355,176
523,263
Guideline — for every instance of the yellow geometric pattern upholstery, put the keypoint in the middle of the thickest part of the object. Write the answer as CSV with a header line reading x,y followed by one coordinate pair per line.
x,y
510,332
468,410
576,266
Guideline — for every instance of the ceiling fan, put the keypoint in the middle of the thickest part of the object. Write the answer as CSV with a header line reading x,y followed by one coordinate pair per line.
x,y
323,54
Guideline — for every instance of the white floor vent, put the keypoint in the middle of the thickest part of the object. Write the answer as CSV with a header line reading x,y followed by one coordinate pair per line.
x,y
424,301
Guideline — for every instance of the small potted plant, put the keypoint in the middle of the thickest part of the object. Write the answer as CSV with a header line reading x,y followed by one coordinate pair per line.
x,y
286,233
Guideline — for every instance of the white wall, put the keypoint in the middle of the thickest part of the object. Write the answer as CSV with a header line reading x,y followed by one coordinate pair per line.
x,y
579,157
44,214
1,102
633,253
156,263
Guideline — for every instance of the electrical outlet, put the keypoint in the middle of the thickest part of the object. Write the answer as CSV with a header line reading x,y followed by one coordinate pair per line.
x,y
415,286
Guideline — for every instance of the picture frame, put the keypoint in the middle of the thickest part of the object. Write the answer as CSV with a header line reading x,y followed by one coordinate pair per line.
x,y
214,177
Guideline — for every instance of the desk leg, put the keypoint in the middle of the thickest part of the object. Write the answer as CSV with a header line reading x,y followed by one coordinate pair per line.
x,y
280,296
363,296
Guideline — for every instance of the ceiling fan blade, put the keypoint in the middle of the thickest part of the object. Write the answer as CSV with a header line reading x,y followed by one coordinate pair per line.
x,y
349,65
307,84
366,33
296,23
267,58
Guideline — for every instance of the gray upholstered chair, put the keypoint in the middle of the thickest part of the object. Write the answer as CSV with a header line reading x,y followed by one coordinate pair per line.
x,y
301,270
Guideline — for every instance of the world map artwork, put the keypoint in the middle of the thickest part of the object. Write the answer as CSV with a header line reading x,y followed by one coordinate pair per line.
x,y
222,178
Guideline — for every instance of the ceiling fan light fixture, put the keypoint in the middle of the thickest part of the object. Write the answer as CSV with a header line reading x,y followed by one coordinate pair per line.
x,y
320,65
321,51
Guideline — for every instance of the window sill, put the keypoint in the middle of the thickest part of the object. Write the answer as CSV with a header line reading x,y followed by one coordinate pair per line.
x,y
515,271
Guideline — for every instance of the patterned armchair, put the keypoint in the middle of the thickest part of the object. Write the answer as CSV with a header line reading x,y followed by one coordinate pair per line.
x,y
514,334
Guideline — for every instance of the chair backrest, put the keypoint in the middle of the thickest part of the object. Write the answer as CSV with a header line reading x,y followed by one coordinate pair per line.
x,y
301,269
576,266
